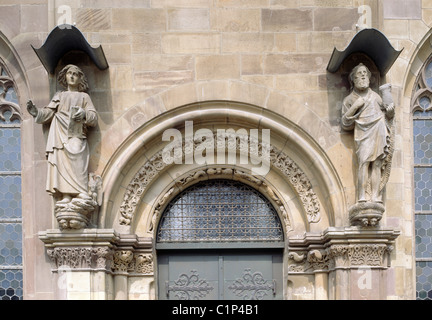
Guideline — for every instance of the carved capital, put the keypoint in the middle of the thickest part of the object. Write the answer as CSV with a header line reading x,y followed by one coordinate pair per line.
x,y
122,261
319,259
144,263
71,257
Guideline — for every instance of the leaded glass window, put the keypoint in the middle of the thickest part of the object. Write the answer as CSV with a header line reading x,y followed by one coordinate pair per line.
x,y
11,275
220,211
422,139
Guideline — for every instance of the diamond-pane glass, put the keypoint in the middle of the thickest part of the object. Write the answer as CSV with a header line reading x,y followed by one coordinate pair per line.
x,y
423,189
423,141
220,211
423,235
424,280
11,284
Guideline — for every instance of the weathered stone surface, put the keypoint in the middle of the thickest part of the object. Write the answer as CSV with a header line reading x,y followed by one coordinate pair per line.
x,y
332,19
218,67
148,20
188,19
294,63
286,20
191,43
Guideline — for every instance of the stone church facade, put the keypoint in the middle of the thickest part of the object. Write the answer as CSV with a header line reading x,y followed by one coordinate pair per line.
x,y
220,166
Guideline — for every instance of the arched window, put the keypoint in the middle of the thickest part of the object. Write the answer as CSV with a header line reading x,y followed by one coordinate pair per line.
x,y
220,211
422,138
220,239
11,275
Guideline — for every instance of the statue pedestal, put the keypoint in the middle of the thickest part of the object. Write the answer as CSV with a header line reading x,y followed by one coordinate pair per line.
x,y
366,213
76,214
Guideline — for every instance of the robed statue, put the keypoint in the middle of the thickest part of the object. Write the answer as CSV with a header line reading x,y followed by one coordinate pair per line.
x,y
69,114
371,117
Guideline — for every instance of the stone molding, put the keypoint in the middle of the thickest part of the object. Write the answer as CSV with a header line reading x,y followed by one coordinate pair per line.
x,y
341,248
278,159
98,250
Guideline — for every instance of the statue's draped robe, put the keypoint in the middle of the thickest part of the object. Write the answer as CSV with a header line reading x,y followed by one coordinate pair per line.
x,y
67,148
371,133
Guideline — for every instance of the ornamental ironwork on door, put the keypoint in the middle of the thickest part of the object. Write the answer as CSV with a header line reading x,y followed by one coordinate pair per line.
x,y
220,239
223,275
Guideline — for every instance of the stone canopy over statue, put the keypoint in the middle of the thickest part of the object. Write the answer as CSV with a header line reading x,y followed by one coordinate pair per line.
x,y
69,114
371,117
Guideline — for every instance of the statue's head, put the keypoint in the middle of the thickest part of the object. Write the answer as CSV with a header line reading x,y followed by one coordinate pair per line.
x,y
82,82
360,77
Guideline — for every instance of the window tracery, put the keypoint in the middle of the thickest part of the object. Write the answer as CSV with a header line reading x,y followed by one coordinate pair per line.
x,y
11,276
422,145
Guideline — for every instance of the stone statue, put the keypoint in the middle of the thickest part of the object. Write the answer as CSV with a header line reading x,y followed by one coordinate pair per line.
x,y
371,118
69,114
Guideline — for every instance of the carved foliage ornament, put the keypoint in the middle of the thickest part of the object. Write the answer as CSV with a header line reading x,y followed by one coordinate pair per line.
x,y
101,258
340,255
145,175
80,257
127,261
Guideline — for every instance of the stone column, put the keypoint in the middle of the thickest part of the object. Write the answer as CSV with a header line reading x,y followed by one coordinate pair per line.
x,y
319,260
122,260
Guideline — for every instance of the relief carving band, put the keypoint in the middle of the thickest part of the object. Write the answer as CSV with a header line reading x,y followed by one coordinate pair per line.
x,y
371,118
69,114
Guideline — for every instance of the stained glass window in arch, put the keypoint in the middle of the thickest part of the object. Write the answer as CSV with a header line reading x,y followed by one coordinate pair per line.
x,y
219,211
422,147
11,275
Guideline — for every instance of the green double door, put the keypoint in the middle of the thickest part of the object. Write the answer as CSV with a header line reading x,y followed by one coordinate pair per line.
x,y
247,274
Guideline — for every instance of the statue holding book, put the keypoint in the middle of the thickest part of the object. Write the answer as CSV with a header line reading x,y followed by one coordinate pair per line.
x,y
69,114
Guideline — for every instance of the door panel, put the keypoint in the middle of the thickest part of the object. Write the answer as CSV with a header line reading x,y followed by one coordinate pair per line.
x,y
192,277
223,275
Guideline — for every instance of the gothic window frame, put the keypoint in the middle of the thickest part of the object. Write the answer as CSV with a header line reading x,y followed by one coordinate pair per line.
x,y
421,112
11,248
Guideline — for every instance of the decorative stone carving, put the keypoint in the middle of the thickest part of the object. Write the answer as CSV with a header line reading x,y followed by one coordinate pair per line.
x,y
367,254
7,83
122,261
69,115
319,259
340,248
144,263
143,178
80,257
127,261
183,182
371,118
103,257
71,257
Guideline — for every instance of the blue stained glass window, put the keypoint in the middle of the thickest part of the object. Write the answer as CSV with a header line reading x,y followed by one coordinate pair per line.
x,y
11,256
428,75
423,235
424,280
423,189
423,141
